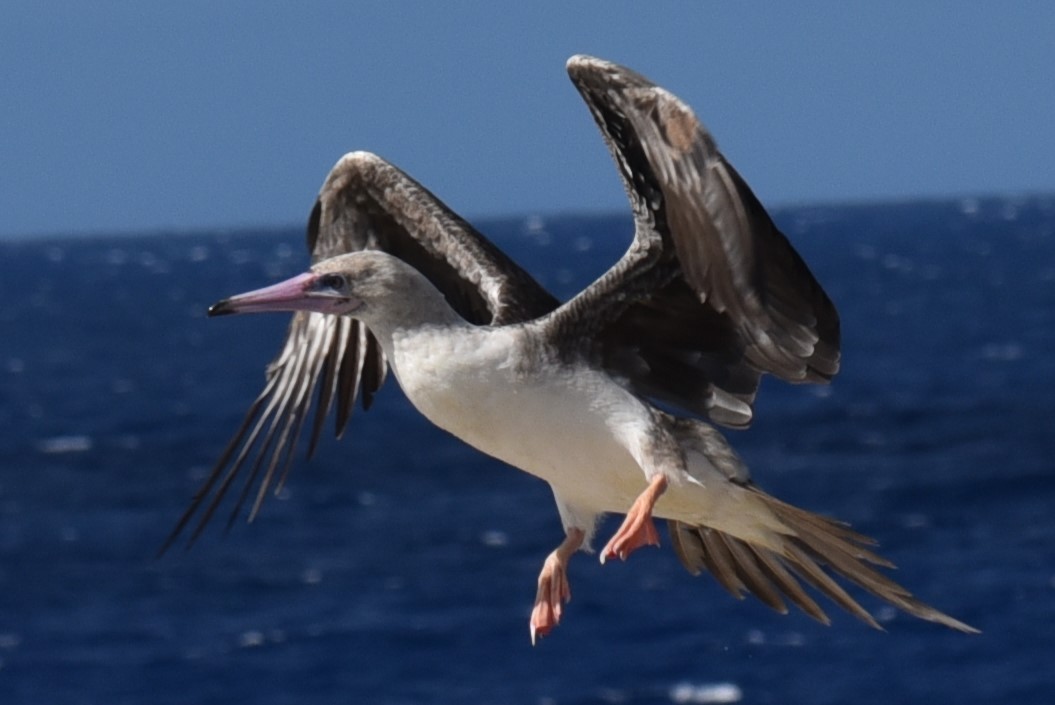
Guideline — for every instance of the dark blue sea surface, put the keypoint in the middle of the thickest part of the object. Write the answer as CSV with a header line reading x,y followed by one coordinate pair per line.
x,y
399,566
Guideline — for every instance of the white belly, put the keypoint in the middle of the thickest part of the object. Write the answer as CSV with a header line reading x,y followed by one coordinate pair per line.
x,y
570,426
561,424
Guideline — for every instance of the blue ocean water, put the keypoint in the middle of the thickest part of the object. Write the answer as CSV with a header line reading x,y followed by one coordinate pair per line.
x,y
399,566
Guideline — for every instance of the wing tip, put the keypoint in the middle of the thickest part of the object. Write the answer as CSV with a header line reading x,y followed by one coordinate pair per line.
x,y
357,160
584,69
577,63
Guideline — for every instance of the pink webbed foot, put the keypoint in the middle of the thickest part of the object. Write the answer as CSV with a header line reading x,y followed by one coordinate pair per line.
x,y
637,529
553,588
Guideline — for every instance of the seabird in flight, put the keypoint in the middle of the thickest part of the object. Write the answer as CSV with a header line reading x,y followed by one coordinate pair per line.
x,y
708,298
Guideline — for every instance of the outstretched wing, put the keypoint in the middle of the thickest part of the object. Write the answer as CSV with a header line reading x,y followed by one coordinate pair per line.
x,y
711,295
330,361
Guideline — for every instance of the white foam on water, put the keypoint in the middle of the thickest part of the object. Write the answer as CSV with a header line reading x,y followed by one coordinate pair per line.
x,y
706,693
65,444
494,538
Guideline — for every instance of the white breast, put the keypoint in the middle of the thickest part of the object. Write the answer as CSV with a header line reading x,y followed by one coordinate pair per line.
x,y
559,423
569,425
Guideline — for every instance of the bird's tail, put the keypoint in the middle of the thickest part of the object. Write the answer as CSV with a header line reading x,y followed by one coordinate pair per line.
x,y
813,549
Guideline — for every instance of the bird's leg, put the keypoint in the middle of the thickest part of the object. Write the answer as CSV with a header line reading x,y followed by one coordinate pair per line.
x,y
553,588
638,529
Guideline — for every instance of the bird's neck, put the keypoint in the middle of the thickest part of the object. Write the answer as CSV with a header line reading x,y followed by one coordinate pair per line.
x,y
421,307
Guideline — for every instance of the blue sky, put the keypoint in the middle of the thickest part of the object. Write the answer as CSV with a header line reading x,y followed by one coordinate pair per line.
x,y
142,116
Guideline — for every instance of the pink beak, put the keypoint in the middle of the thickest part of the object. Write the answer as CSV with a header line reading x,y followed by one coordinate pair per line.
x,y
295,294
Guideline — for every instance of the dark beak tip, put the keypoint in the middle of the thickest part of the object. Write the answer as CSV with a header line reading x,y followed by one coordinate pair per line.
x,y
221,308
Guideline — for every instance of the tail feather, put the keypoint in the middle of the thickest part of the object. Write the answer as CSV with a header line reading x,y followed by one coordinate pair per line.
x,y
813,547
814,574
832,534
752,575
739,574
726,568
791,587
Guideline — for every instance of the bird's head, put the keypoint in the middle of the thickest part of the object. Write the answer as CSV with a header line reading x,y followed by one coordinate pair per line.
x,y
371,285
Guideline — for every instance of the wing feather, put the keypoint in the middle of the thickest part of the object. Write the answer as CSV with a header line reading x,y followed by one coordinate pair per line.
x,y
711,295
331,362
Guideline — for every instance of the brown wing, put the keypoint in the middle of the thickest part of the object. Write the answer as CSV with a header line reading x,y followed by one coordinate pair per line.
x,y
711,295
331,361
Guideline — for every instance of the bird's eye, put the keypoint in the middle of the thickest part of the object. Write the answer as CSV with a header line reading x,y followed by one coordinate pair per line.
x,y
331,281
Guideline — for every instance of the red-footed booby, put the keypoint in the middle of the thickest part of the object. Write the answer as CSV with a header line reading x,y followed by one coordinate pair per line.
x,y
708,298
